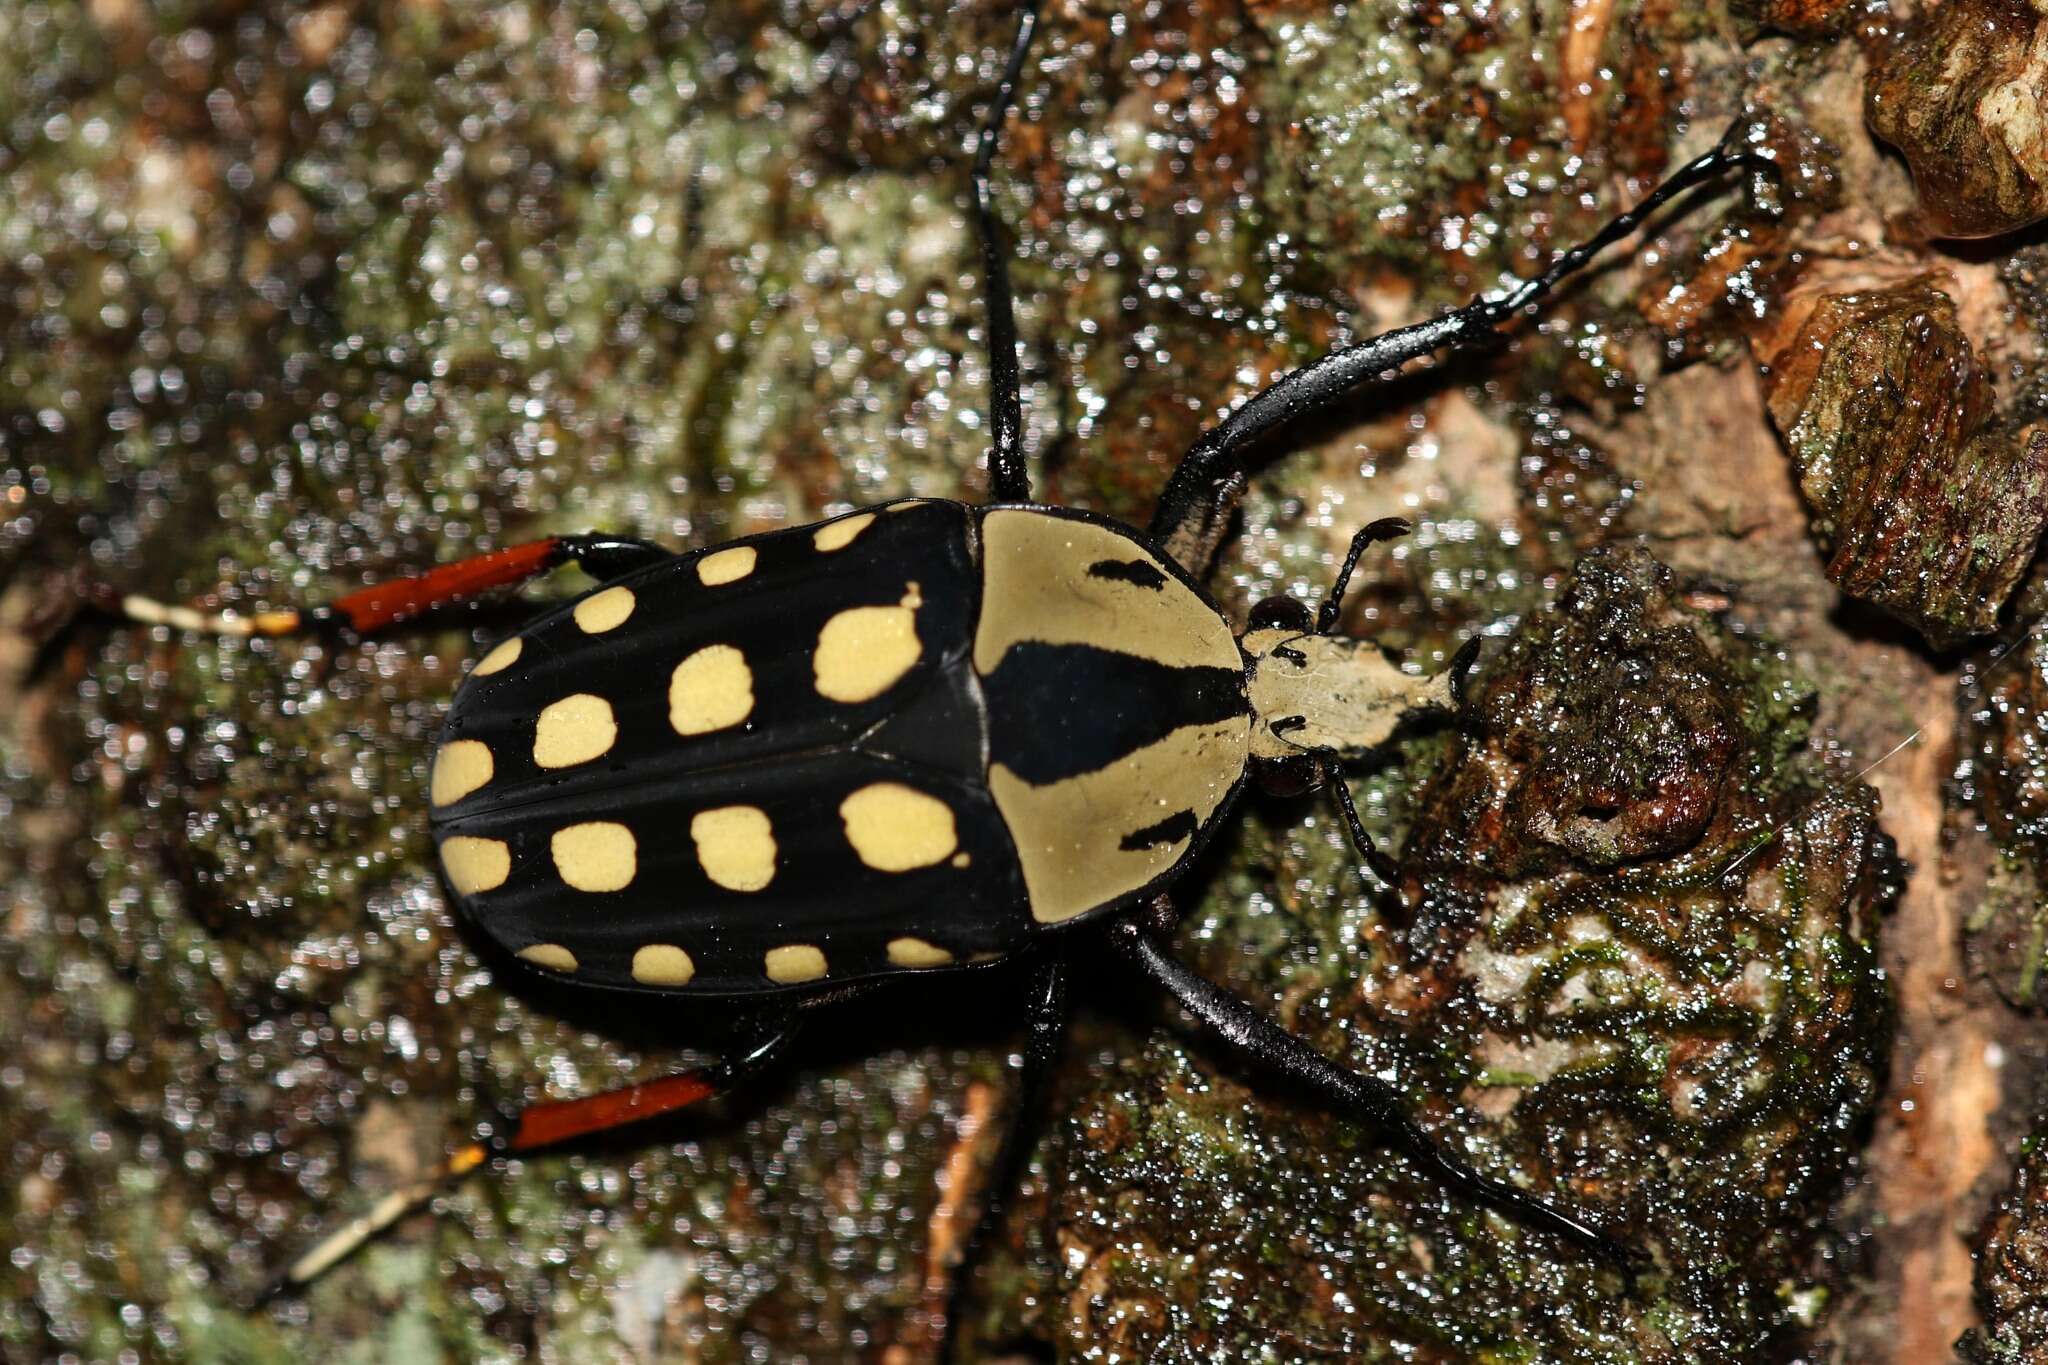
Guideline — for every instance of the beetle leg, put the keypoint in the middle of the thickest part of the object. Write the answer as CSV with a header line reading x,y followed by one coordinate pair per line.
x,y
1240,1025
1008,479
1195,507
1047,1022
1383,867
1462,664
535,1128
383,605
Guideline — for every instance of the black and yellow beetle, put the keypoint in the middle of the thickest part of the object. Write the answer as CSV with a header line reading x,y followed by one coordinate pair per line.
x,y
916,739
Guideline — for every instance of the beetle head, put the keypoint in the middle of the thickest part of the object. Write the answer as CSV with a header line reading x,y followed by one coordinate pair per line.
x,y
1329,696
1318,696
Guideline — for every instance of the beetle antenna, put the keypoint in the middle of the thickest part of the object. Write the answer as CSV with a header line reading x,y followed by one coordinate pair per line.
x,y
1386,528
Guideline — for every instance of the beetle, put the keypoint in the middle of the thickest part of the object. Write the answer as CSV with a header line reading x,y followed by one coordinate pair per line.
x,y
915,740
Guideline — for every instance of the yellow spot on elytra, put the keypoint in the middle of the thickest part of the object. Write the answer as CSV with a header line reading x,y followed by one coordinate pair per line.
x,y
961,860
895,828
459,769
795,962
726,566
596,856
500,659
710,690
736,845
475,865
574,730
915,952
662,964
863,651
837,535
553,956
603,611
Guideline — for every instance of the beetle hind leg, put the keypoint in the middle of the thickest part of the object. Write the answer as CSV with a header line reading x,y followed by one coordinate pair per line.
x,y
535,1128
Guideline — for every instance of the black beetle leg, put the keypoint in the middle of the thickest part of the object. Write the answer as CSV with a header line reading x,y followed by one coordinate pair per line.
x,y
606,557
1462,664
1386,869
1008,479
1239,1024
1196,505
1046,1018
538,1127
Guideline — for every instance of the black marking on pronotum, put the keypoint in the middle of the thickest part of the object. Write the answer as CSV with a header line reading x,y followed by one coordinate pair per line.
x,y
1128,571
1172,830
1058,711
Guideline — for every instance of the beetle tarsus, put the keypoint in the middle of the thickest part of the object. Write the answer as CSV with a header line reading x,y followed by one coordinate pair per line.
x,y
1461,669
532,1129
1210,477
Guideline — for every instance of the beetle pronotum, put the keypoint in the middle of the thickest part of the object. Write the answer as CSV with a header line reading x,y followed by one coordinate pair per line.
x,y
917,739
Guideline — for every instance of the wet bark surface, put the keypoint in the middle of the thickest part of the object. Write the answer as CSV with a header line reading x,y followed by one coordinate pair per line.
x,y
1720,911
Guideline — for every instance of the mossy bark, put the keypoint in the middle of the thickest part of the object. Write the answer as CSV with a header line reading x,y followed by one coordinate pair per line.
x,y
296,298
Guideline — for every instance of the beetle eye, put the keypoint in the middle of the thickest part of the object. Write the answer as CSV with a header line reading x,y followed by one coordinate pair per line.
x,y
1281,613
1295,775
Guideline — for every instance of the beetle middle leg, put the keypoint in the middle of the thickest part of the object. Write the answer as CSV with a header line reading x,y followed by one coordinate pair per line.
x,y
1008,479
1236,1022
383,605
1048,1013
1195,507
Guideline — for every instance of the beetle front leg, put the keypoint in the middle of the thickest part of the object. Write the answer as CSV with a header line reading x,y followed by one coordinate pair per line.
x,y
537,1127
1194,509
1383,867
383,605
1240,1025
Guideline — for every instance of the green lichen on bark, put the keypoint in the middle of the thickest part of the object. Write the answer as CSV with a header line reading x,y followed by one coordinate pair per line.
x,y
2002,776
298,298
